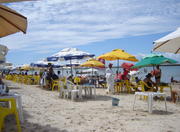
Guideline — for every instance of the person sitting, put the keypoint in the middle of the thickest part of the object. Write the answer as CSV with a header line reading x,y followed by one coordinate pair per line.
x,y
101,81
117,77
137,80
174,81
157,74
174,94
150,83
125,74
3,88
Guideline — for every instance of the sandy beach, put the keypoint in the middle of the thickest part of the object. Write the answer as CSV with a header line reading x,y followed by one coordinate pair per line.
x,y
44,111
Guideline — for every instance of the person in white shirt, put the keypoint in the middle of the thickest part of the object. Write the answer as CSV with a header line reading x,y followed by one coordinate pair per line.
x,y
110,79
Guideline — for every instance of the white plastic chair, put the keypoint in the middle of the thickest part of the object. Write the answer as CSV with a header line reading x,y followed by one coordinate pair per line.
x,y
68,89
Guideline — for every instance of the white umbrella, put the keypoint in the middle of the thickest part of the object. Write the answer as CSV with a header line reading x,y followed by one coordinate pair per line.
x,y
70,54
169,43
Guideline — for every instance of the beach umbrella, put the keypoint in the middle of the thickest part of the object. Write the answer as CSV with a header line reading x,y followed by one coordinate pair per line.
x,y
153,60
26,67
44,64
11,21
169,43
69,54
93,63
118,54
128,66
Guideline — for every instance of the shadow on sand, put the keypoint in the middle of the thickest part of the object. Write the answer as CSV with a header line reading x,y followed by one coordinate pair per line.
x,y
162,112
10,125
98,98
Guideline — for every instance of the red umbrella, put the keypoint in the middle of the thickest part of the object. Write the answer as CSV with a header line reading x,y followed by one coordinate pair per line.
x,y
128,66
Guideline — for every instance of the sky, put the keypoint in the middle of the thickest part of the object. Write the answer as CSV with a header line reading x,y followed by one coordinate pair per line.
x,y
94,26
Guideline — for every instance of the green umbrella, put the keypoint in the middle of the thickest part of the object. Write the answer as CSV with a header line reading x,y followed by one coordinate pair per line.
x,y
153,60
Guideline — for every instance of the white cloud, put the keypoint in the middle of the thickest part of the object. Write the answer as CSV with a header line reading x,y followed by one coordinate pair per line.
x,y
65,23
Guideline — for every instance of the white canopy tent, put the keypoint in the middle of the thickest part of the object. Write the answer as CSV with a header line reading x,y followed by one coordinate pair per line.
x,y
169,43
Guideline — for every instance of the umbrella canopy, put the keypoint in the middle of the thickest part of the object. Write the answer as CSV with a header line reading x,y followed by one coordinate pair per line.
x,y
128,66
92,63
118,54
11,21
44,64
69,54
26,67
153,60
169,43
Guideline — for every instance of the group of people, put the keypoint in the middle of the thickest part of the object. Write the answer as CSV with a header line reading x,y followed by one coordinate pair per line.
x,y
111,78
48,76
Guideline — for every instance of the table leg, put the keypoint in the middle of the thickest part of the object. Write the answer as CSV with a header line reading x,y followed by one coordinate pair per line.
x,y
134,101
20,110
165,103
94,92
150,103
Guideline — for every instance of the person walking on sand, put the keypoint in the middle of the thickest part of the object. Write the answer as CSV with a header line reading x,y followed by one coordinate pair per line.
x,y
110,79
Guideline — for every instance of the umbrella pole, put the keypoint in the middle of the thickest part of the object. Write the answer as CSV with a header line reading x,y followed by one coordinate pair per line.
x,y
118,65
71,66
92,71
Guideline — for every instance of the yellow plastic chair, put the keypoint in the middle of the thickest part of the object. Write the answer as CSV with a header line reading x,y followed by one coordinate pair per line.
x,y
162,88
77,80
118,87
55,83
143,85
127,85
36,79
8,111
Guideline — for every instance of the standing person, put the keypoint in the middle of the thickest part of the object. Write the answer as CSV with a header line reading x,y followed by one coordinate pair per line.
x,y
157,75
110,79
43,79
59,74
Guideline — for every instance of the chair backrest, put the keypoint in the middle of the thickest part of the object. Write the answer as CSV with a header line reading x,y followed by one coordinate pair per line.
x,y
70,85
143,85
12,107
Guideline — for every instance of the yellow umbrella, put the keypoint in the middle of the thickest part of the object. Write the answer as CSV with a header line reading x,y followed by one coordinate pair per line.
x,y
26,67
92,63
118,54
11,21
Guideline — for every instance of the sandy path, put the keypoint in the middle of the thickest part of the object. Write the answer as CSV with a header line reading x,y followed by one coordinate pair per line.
x,y
45,112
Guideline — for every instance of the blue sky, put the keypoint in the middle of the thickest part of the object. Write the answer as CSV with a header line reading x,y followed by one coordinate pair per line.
x,y
95,26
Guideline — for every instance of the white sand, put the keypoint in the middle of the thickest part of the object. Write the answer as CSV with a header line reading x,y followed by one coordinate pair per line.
x,y
45,112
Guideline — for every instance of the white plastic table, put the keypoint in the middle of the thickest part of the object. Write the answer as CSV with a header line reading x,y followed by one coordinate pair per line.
x,y
150,96
88,89
18,103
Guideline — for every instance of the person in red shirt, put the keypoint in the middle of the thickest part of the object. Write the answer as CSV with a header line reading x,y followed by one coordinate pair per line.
x,y
157,74
125,74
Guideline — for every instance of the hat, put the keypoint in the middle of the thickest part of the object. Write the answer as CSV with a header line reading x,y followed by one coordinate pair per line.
x,y
110,64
